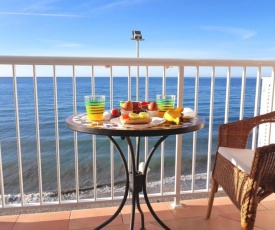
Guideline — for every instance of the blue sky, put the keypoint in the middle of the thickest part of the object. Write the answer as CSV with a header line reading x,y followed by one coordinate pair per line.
x,y
172,29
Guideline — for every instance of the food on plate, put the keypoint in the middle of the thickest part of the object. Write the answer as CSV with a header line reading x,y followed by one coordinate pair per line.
x,y
143,114
134,118
153,109
115,113
174,116
153,106
179,109
127,105
144,105
136,107
107,115
131,106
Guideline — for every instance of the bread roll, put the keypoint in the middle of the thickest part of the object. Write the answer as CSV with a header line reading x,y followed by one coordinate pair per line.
x,y
135,121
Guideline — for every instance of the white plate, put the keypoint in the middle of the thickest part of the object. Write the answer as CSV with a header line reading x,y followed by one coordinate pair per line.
x,y
155,121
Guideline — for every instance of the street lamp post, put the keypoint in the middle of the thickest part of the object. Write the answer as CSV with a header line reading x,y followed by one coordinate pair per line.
x,y
137,37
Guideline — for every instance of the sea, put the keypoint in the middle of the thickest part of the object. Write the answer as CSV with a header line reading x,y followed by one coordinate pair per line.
x,y
47,136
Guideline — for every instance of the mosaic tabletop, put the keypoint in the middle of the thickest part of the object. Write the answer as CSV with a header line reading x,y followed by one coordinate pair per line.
x,y
158,126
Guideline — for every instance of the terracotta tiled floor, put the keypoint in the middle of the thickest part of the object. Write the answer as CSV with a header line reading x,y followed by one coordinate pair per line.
x,y
190,216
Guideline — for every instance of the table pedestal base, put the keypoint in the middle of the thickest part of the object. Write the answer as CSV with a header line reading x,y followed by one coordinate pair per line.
x,y
135,183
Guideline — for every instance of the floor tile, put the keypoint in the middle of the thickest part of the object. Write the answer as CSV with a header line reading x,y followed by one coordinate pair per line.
x,y
160,209
268,202
224,223
115,227
192,208
265,219
7,222
90,218
148,226
225,205
43,221
194,223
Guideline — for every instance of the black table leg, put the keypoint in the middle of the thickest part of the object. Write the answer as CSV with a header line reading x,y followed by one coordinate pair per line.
x,y
126,188
144,182
136,181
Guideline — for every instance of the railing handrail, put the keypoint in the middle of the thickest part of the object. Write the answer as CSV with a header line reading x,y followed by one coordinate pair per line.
x,y
122,61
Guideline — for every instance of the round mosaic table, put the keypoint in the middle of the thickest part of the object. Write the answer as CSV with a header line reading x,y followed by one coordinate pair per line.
x,y
135,180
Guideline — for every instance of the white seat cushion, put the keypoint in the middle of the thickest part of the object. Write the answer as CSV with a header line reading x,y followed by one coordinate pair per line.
x,y
241,158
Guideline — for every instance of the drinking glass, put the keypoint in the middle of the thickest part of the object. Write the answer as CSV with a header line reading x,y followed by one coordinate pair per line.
x,y
95,105
165,102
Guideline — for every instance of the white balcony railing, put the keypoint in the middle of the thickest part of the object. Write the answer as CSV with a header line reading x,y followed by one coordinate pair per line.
x,y
47,164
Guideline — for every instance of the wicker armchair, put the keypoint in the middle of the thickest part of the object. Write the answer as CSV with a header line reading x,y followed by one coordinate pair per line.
x,y
246,176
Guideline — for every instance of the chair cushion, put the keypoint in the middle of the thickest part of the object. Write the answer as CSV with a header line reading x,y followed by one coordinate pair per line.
x,y
241,158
